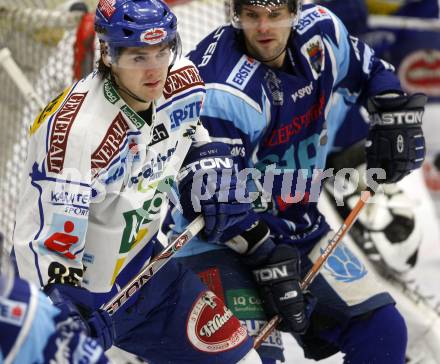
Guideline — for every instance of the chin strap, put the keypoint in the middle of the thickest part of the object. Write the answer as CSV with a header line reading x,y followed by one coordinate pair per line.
x,y
126,90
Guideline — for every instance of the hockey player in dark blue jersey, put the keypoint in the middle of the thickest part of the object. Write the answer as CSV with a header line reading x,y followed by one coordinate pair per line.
x,y
390,231
33,330
280,81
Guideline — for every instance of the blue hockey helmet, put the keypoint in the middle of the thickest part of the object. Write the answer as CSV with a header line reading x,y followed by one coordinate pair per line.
x,y
135,23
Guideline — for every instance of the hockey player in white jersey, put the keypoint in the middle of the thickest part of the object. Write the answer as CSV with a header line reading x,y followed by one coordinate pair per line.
x,y
32,330
102,162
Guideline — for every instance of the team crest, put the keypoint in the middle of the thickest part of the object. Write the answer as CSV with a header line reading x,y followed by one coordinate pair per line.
x,y
344,266
316,56
313,52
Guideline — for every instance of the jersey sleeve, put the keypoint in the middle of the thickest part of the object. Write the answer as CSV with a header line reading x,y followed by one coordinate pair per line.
x,y
233,118
355,67
52,214
34,331
183,97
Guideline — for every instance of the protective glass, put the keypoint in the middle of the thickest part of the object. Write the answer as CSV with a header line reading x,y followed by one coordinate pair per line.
x,y
252,14
148,57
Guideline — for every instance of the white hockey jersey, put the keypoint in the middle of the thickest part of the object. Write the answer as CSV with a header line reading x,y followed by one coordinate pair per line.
x,y
97,176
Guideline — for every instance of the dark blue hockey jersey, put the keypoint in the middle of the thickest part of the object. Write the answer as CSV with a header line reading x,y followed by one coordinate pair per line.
x,y
282,122
32,330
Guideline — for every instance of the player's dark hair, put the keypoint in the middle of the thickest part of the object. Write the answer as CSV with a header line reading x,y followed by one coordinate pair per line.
x,y
103,70
292,4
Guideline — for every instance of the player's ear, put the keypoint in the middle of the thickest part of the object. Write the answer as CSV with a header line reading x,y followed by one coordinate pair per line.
x,y
105,54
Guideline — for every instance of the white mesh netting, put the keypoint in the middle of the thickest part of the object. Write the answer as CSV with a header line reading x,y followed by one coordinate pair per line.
x,y
40,35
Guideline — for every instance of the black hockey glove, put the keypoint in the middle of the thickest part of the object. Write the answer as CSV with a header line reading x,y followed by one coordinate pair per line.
x,y
395,141
276,270
278,280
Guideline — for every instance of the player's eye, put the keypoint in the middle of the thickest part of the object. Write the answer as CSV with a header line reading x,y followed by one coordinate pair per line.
x,y
138,59
163,54
274,15
251,15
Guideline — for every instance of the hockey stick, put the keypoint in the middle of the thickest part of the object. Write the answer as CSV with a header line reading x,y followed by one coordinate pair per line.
x,y
313,272
18,77
154,266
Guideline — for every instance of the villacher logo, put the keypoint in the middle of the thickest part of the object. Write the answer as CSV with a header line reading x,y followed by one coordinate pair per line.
x,y
212,327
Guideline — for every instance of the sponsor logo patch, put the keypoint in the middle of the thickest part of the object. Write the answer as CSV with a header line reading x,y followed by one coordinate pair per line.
x,y
154,36
302,92
48,111
181,80
187,112
133,116
12,312
60,131
152,169
74,203
107,7
159,133
242,72
212,327
109,147
110,93
299,123
65,236
245,304
310,17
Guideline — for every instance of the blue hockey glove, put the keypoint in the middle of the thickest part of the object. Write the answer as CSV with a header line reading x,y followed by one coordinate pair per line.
x,y
278,279
77,303
208,184
395,141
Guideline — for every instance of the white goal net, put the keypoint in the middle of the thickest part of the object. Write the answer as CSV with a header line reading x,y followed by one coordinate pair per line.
x,y
47,39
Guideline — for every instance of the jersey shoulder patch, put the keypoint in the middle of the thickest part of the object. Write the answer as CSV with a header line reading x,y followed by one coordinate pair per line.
x,y
60,130
48,111
312,15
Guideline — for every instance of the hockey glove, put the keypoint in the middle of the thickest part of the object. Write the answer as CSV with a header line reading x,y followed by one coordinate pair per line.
x,y
77,303
279,283
395,141
208,184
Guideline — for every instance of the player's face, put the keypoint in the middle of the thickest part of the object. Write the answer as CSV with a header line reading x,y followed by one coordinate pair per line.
x,y
143,70
266,30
